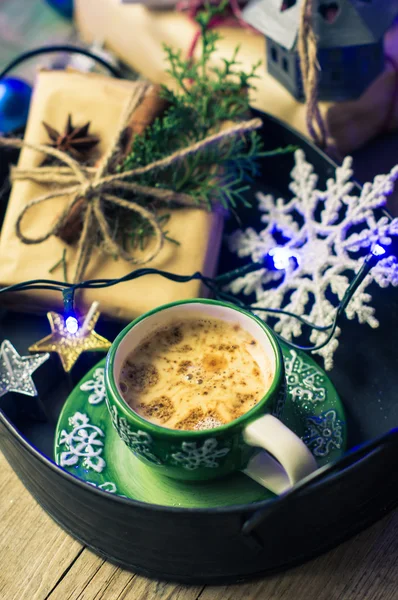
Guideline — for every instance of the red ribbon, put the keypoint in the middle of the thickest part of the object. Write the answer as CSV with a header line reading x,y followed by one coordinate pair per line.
x,y
232,18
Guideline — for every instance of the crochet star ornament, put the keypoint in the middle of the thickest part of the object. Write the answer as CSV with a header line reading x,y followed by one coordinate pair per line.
x,y
16,371
69,346
326,236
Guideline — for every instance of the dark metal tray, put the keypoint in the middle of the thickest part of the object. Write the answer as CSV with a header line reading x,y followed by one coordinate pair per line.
x,y
229,544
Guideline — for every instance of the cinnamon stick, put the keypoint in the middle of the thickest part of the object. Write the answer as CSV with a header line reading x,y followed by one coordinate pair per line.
x,y
151,107
71,230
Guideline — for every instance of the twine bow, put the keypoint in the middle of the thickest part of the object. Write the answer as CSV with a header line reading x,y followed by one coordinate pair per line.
x,y
93,188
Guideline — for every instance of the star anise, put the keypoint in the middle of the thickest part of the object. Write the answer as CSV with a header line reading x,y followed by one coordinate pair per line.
x,y
76,141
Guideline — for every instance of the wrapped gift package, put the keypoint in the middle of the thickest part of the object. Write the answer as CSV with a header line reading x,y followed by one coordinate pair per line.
x,y
101,101
136,33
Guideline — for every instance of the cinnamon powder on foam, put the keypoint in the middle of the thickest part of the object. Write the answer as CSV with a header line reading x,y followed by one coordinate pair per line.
x,y
196,374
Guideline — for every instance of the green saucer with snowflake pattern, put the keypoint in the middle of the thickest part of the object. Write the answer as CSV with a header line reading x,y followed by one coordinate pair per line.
x,y
87,445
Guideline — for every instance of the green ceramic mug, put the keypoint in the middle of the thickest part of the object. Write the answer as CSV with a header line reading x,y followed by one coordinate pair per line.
x,y
208,454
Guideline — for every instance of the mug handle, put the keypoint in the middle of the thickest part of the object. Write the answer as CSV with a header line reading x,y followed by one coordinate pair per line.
x,y
293,459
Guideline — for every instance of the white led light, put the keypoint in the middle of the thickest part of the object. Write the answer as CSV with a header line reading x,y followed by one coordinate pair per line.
x,y
72,325
378,250
281,257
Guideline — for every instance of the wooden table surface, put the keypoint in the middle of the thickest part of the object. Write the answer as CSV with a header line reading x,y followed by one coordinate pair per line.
x,y
39,561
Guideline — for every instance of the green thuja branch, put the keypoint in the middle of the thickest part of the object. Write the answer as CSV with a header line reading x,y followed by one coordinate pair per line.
x,y
203,98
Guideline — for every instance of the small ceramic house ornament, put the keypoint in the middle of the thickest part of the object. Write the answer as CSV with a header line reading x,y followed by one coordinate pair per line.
x,y
350,42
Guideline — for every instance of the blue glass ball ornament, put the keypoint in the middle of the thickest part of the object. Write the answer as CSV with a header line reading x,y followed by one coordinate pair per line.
x,y
64,7
14,103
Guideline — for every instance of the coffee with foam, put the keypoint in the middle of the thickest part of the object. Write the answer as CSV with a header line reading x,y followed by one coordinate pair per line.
x,y
196,373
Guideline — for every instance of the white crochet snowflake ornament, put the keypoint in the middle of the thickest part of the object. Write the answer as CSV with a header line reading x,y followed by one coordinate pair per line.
x,y
329,233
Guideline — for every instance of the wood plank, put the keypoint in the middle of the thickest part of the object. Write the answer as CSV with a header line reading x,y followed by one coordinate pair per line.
x,y
91,578
364,568
34,551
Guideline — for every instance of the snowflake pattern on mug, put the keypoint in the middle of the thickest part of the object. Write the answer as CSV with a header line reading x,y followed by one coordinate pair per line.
x,y
83,444
191,457
139,442
304,382
324,433
96,385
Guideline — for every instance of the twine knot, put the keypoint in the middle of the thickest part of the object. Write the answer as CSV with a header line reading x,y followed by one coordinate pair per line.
x,y
89,190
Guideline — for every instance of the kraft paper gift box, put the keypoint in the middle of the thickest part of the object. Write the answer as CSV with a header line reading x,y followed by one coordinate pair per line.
x,y
100,100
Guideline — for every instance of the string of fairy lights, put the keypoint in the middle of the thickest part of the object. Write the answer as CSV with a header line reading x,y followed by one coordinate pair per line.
x,y
278,258
215,285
